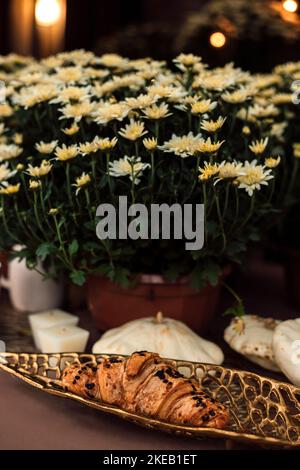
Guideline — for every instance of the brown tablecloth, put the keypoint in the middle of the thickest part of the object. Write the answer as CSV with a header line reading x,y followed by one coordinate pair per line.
x,y
30,419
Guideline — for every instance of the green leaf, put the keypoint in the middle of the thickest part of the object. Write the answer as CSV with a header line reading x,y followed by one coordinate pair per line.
x,y
78,277
212,272
103,181
254,236
172,273
31,264
121,277
211,226
73,248
197,280
61,222
104,269
235,248
238,310
44,250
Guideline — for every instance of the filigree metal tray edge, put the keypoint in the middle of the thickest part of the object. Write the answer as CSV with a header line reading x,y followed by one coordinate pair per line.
x,y
51,386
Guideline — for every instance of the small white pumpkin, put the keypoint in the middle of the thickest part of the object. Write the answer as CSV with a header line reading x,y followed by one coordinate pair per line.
x,y
286,347
252,337
169,338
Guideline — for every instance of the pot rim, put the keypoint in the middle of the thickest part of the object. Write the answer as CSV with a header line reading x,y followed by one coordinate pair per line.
x,y
158,279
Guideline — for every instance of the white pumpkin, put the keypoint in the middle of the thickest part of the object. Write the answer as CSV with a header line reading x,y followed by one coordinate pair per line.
x,y
286,346
169,338
252,337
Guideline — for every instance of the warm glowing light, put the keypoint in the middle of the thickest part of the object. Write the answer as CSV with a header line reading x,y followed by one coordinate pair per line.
x,y
47,12
290,5
217,39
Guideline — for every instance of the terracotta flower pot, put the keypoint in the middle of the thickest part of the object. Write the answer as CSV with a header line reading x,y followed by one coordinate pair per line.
x,y
111,305
292,276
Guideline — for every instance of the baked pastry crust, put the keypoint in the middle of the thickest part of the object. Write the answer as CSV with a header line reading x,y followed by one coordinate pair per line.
x,y
146,385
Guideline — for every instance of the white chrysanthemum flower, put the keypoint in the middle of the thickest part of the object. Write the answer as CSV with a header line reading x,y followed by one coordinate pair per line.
x,y
278,129
68,74
141,101
77,111
259,146
72,130
133,131
186,61
106,112
229,170
29,97
282,98
254,177
34,184
208,171
72,93
262,112
6,173
238,96
46,148
128,166
105,143
81,181
39,171
10,189
5,110
155,111
214,81
296,149
207,146
87,147
9,152
183,146
150,143
113,61
272,162
213,126
65,153
161,91
203,106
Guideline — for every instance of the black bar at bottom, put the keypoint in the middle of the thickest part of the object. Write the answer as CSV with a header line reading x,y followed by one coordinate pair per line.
x,y
135,459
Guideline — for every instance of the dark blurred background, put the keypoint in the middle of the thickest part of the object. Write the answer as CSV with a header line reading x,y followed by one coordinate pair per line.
x,y
255,34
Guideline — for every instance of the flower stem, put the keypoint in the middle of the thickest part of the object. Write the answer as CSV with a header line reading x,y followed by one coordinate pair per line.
x,y
44,208
95,177
88,202
294,176
62,248
68,166
37,216
205,212
220,220
28,232
226,200
5,223
156,129
109,178
232,292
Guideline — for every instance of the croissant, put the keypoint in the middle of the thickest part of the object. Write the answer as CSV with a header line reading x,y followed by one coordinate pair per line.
x,y
146,385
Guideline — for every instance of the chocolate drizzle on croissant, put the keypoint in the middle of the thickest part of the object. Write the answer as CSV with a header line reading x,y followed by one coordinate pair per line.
x,y
146,385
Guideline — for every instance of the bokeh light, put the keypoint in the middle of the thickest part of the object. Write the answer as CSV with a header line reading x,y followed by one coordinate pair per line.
x,y
290,5
217,39
47,12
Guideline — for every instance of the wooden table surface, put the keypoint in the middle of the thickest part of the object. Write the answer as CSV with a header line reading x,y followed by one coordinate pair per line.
x,y
33,420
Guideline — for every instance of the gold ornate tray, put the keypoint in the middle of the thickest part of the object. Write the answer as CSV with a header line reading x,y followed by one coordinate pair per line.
x,y
263,411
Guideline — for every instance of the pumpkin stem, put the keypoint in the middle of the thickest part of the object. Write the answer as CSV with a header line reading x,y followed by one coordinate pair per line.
x,y
159,317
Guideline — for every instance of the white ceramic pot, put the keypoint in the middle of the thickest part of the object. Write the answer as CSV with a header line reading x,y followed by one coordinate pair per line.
x,y
28,290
